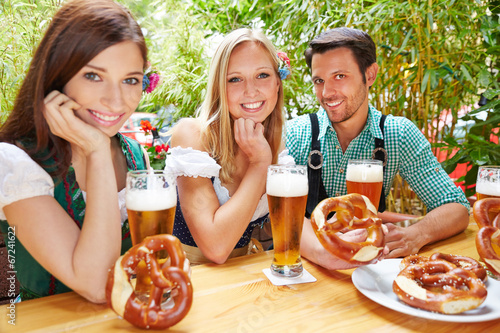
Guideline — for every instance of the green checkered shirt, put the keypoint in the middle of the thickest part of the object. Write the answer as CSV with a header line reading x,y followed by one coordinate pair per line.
x,y
408,149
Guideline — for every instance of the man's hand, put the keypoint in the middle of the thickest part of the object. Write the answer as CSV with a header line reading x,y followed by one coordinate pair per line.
x,y
403,241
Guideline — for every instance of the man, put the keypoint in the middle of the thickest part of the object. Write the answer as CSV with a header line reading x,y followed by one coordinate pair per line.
x,y
343,68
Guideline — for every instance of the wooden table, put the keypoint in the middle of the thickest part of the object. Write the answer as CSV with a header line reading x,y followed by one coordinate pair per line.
x,y
237,297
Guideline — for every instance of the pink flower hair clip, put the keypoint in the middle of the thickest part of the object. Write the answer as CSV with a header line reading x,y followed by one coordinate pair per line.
x,y
150,80
284,68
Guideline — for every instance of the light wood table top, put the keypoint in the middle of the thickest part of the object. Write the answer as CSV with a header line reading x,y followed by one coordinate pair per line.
x,y
237,297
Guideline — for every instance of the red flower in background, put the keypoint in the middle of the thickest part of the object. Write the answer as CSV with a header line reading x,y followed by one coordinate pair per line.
x,y
146,126
162,147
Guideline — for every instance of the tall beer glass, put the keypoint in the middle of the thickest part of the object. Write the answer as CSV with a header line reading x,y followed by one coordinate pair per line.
x,y
488,182
365,177
151,198
287,189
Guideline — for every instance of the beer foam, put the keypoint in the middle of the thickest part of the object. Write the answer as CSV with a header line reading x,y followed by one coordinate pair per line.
x,y
363,173
287,185
488,188
151,200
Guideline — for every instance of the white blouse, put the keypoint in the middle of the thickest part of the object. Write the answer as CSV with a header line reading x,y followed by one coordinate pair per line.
x,y
22,178
195,163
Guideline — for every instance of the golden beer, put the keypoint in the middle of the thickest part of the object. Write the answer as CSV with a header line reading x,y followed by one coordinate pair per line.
x,y
484,196
287,218
365,177
370,190
147,223
151,201
287,190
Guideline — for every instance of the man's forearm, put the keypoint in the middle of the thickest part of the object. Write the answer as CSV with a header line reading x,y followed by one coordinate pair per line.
x,y
443,222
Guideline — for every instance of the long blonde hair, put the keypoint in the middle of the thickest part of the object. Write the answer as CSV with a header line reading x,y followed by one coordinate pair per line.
x,y
218,126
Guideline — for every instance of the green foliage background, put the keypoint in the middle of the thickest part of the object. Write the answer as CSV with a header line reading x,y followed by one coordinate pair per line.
x,y
433,55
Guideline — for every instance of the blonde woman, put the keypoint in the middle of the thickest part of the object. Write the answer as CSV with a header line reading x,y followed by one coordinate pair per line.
x,y
222,155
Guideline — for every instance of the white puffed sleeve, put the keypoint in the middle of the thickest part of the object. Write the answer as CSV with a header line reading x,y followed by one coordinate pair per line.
x,y
191,163
21,177
284,158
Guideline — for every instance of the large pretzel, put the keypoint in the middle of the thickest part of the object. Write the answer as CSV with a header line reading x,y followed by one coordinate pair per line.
x,y
467,263
488,236
362,253
439,286
487,245
483,210
121,296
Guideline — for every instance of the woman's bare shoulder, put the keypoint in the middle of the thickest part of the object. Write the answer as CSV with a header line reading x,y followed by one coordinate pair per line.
x,y
187,133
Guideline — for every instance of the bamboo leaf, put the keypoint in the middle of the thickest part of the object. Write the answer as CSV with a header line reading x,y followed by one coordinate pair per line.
x,y
425,81
466,72
491,93
405,42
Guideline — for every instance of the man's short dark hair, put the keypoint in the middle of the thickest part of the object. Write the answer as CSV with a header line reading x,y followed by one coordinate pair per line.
x,y
359,42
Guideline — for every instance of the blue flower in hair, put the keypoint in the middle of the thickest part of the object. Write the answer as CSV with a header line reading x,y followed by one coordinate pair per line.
x,y
284,72
145,82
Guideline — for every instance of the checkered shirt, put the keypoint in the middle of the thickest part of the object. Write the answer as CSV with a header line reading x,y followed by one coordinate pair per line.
x,y
408,150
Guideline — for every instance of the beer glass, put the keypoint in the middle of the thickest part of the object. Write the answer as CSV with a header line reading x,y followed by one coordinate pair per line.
x,y
488,182
287,190
365,177
151,198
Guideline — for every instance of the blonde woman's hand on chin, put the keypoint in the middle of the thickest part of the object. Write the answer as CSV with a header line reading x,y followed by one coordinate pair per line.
x,y
63,122
251,140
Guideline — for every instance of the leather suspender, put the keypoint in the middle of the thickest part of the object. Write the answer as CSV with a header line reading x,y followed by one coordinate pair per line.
x,y
317,190
379,153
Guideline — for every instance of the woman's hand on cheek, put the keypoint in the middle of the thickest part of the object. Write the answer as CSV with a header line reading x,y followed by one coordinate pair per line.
x,y
250,138
62,121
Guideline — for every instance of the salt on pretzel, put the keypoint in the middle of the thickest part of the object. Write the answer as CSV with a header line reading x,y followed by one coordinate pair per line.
x,y
412,260
487,245
362,253
467,263
120,294
439,286
482,210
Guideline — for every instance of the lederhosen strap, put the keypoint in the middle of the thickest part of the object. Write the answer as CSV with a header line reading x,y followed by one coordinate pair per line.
x,y
379,153
317,191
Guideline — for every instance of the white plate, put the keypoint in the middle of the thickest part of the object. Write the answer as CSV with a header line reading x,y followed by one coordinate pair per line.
x,y
375,282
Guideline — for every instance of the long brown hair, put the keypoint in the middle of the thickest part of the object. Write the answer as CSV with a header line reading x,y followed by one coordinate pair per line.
x,y
79,31
217,132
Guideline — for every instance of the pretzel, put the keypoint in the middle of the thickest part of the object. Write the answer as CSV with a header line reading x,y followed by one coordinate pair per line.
x,y
484,209
121,295
487,215
439,286
362,253
467,263
488,245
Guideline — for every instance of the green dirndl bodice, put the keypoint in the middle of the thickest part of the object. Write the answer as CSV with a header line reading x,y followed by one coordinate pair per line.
x,y
33,279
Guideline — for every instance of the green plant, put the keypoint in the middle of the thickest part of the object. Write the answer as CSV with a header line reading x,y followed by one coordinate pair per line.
x,y
480,145
477,148
22,23
178,49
